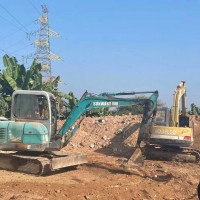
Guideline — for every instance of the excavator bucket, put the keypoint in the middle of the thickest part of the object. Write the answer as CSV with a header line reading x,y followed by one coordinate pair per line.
x,y
136,160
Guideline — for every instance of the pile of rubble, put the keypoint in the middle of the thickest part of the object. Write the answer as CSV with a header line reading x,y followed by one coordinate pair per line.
x,y
116,134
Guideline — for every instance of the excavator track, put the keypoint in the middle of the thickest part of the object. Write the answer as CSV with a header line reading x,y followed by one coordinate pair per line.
x,y
24,163
40,164
154,152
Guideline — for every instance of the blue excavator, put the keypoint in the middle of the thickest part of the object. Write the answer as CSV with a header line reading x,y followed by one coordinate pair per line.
x,y
31,143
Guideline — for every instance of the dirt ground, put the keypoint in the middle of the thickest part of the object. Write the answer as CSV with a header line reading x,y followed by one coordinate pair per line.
x,y
108,142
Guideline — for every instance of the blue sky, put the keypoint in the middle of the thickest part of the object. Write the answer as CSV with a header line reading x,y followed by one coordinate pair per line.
x,y
112,45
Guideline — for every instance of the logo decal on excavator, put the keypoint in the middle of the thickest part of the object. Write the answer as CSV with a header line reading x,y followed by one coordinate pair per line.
x,y
112,103
165,132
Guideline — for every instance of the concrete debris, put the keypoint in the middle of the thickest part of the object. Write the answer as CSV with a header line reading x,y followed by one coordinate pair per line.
x,y
92,146
104,137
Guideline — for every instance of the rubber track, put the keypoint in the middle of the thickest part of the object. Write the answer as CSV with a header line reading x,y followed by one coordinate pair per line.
x,y
23,163
170,150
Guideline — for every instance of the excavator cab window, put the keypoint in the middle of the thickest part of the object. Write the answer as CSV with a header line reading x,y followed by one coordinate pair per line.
x,y
43,108
162,116
30,107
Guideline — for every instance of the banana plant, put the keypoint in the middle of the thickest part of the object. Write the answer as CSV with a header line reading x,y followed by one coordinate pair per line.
x,y
51,85
16,76
72,101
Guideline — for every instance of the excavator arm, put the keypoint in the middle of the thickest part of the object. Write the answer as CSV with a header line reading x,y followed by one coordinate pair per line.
x,y
179,93
89,101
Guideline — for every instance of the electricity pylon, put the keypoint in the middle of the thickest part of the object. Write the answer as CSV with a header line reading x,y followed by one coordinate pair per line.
x,y
43,52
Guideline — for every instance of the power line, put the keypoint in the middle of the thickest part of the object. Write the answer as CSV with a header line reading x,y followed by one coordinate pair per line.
x,y
15,44
34,7
13,33
13,17
21,48
3,51
11,23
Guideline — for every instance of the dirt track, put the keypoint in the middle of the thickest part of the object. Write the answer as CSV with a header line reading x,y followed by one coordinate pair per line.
x,y
108,143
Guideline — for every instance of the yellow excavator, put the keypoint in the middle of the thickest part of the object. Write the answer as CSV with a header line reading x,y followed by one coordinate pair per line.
x,y
170,137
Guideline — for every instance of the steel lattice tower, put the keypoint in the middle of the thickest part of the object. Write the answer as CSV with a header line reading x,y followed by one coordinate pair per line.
x,y
43,52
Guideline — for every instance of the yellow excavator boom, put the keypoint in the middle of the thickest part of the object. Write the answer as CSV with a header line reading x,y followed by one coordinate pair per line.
x,y
179,93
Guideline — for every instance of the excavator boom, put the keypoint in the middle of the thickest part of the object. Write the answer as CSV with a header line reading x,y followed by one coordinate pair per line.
x,y
88,102
179,94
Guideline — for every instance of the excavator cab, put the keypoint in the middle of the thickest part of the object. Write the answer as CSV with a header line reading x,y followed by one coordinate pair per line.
x,y
163,118
33,122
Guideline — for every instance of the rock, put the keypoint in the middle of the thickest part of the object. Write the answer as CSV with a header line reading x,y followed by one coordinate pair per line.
x,y
104,137
190,182
13,197
118,131
103,121
73,144
83,144
86,197
92,146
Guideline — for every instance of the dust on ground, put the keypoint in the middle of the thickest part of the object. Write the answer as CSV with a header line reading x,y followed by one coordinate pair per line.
x,y
108,141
